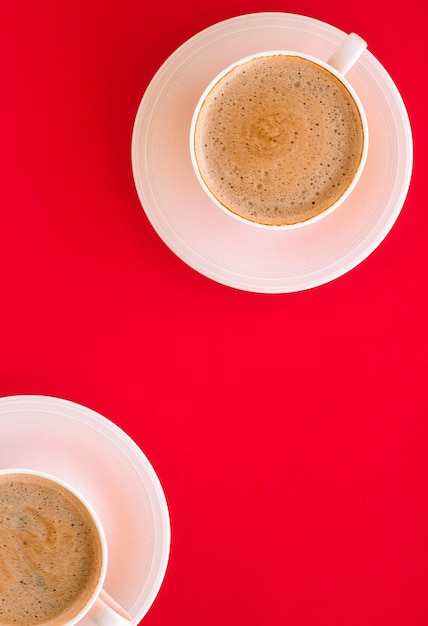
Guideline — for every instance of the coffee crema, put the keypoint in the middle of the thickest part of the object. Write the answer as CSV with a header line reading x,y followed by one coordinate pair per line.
x,y
278,139
50,552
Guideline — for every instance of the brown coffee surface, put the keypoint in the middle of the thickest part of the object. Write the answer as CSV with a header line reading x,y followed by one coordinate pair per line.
x,y
278,139
50,552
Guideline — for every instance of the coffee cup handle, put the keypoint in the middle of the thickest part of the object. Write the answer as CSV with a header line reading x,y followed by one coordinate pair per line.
x,y
107,612
348,53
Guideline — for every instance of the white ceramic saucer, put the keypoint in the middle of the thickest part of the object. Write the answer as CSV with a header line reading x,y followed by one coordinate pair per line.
x,y
91,453
241,255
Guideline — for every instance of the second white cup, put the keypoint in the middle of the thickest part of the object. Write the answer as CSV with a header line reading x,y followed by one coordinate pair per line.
x,y
53,554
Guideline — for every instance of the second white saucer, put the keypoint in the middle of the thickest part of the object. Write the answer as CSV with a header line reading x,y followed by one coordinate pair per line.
x,y
94,455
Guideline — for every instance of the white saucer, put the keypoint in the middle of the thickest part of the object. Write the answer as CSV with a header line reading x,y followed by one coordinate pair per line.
x,y
109,469
214,243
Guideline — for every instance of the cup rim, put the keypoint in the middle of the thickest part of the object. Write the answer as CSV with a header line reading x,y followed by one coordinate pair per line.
x,y
104,552
334,72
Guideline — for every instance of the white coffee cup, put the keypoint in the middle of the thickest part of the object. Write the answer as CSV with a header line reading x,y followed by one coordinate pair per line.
x,y
338,65
100,607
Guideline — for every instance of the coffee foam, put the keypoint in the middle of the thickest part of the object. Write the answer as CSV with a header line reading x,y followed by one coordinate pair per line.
x,y
50,552
278,139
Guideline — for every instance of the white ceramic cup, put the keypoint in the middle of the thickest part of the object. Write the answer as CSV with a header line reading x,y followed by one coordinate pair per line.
x,y
338,64
100,607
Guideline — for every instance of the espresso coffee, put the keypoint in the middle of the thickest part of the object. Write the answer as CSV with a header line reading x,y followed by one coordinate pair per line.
x,y
50,552
278,139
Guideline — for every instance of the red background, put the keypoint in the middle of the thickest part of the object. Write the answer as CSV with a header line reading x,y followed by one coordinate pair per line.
x,y
289,431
